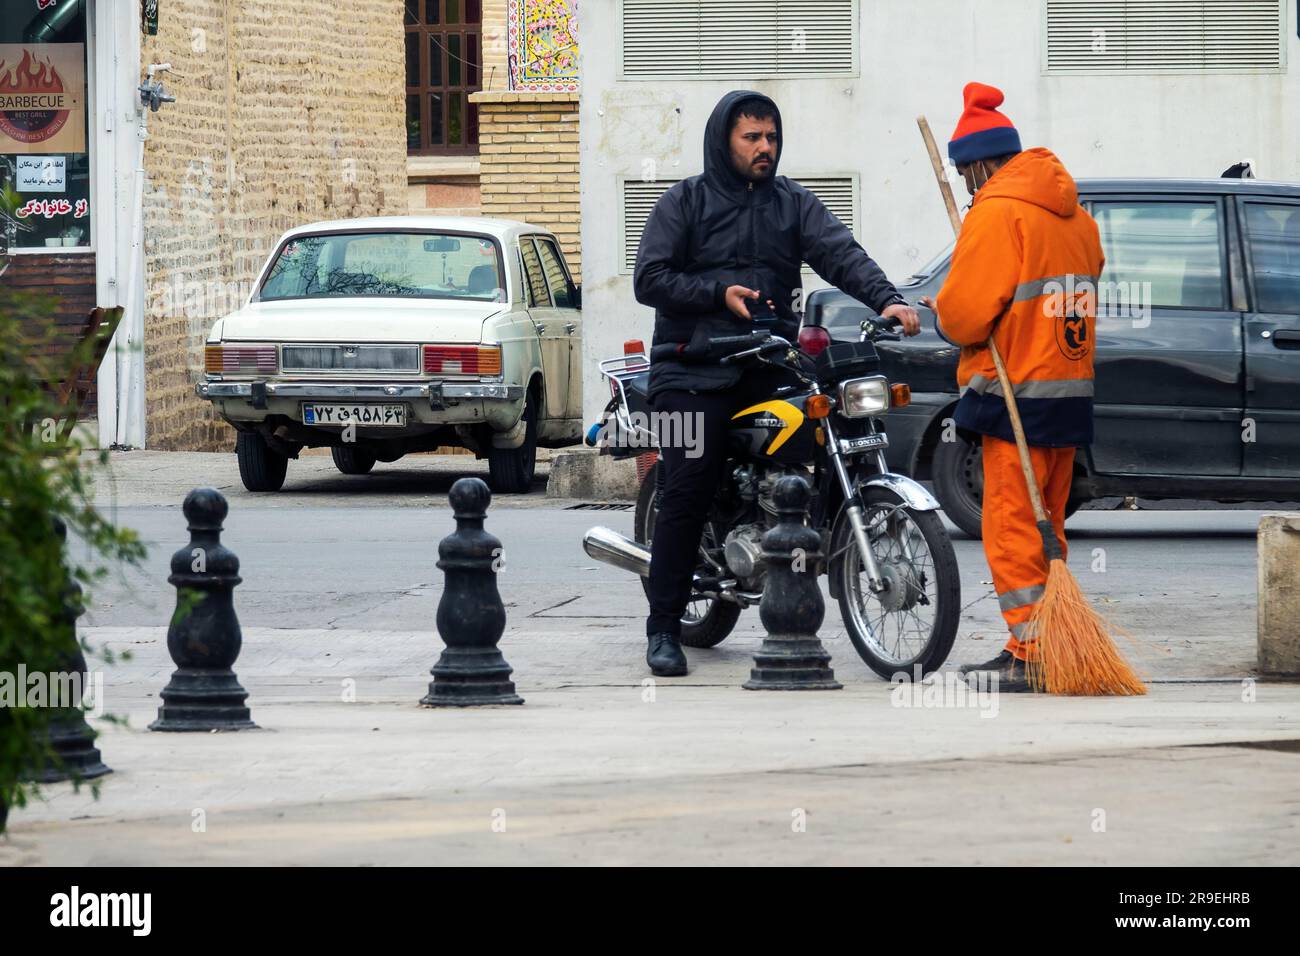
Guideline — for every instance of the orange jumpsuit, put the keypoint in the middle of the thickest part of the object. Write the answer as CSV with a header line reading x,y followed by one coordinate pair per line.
x,y
1025,270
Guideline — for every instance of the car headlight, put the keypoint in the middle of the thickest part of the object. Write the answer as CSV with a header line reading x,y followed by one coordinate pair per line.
x,y
861,397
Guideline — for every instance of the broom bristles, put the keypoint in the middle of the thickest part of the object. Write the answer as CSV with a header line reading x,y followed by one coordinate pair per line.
x,y
1075,652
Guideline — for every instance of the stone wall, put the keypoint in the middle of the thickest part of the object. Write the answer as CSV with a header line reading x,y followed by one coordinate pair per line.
x,y
285,113
528,157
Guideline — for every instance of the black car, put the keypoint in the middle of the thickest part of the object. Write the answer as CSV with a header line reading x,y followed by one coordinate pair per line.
x,y
1197,361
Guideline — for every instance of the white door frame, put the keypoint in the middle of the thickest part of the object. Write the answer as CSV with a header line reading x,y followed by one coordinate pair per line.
x,y
115,130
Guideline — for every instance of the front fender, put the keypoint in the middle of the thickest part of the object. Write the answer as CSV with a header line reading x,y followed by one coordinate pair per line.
x,y
912,492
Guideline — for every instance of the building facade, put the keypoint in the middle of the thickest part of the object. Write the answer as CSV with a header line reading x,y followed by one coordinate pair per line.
x,y
516,64
282,113
1114,87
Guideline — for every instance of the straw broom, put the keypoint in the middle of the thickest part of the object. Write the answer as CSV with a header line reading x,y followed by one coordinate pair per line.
x,y
1075,652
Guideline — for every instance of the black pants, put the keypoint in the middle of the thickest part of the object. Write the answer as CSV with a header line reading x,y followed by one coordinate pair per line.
x,y
693,472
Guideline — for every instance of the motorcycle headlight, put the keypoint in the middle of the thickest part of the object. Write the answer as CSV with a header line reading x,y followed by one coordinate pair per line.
x,y
861,397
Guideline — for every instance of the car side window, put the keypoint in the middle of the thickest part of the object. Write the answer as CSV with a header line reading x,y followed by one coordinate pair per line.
x,y
1273,231
556,277
1166,254
533,272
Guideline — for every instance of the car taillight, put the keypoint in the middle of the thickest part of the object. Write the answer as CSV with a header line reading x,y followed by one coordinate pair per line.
x,y
240,358
813,339
462,359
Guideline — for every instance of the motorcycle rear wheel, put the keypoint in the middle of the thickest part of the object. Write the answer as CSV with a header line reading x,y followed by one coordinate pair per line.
x,y
914,623
707,621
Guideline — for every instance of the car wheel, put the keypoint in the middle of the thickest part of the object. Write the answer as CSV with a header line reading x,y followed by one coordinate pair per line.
x,y
352,460
958,472
261,468
511,470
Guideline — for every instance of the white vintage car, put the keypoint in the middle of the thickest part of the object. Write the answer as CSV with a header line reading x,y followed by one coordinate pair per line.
x,y
382,336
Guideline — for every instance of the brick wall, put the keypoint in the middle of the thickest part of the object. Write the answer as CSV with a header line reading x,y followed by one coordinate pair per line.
x,y
528,158
286,113
70,279
496,46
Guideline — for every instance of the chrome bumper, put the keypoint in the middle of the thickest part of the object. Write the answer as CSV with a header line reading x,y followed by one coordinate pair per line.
x,y
434,392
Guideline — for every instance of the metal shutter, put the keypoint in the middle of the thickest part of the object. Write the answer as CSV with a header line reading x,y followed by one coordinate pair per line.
x,y
838,193
1156,36
737,38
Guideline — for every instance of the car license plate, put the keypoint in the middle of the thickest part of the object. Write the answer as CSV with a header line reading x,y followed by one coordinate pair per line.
x,y
393,416
853,446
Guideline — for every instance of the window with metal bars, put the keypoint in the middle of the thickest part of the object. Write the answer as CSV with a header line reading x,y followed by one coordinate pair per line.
x,y
444,46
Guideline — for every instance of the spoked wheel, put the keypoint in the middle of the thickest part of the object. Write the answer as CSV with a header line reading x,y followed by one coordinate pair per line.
x,y
707,621
913,621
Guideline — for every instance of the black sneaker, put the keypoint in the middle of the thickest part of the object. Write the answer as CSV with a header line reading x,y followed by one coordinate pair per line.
x,y
664,655
999,662
1005,669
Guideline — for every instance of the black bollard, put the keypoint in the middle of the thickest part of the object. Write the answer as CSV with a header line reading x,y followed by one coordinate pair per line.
x,y
72,741
791,656
471,617
204,637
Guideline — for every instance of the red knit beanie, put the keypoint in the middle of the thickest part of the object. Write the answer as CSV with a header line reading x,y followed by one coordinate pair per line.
x,y
982,132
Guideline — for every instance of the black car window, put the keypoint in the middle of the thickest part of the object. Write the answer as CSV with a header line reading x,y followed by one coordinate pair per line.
x,y
555,275
1273,231
1162,253
533,272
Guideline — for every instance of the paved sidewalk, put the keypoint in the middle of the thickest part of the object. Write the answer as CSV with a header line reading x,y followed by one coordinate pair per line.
x,y
603,765
606,767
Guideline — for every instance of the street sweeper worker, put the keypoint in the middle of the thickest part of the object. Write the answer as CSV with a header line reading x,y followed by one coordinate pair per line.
x,y
1024,271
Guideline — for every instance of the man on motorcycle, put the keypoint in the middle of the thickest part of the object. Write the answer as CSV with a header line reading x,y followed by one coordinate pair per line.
x,y
717,249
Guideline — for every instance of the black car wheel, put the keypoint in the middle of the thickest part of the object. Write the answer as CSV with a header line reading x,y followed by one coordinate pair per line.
x,y
958,472
261,468
511,470
352,460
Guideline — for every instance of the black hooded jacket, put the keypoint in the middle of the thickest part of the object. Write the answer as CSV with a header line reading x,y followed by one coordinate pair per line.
x,y
719,229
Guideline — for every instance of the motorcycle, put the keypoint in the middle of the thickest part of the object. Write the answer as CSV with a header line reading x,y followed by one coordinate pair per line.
x,y
890,562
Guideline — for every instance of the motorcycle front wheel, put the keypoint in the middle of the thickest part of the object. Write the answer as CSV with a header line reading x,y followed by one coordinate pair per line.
x,y
913,622
707,621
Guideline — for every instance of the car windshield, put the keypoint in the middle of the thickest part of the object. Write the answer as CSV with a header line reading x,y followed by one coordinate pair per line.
x,y
399,264
935,264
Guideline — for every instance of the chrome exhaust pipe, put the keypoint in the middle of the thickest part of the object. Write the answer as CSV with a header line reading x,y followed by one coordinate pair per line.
x,y
605,544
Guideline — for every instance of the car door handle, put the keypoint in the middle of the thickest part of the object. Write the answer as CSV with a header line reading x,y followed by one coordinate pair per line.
x,y
541,329
1286,339
570,327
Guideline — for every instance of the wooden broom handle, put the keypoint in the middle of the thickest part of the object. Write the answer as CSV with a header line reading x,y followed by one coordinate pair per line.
x,y
944,186
1009,396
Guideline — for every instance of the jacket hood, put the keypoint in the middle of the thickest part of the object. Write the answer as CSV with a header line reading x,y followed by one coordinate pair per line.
x,y
1035,176
718,170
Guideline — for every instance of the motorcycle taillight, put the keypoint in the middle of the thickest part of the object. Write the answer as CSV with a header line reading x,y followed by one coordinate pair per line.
x,y
813,339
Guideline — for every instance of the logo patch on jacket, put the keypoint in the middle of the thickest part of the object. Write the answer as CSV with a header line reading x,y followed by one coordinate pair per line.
x,y
1072,307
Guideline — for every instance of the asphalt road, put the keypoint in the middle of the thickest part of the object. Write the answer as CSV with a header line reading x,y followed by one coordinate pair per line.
x,y
359,553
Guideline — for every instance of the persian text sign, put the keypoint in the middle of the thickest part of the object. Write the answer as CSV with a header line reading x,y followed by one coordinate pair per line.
x,y
42,174
42,98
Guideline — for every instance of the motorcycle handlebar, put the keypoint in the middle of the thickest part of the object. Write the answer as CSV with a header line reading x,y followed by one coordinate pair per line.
x,y
724,349
774,344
